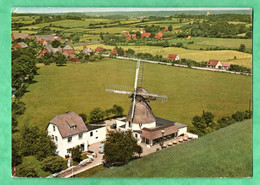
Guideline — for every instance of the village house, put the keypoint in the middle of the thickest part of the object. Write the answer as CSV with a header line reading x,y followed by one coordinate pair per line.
x,y
87,50
68,49
173,57
226,66
159,35
69,130
16,36
44,42
114,51
146,35
50,50
20,45
165,29
214,64
47,38
99,49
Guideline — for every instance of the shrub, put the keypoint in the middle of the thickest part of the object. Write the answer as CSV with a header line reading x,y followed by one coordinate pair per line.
x,y
53,164
238,116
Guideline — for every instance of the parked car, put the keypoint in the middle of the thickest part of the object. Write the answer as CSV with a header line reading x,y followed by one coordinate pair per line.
x,y
101,148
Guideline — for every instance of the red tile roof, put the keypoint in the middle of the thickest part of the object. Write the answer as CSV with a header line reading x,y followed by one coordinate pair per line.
x,y
134,36
114,51
226,65
158,35
99,49
165,29
66,121
146,35
172,56
212,62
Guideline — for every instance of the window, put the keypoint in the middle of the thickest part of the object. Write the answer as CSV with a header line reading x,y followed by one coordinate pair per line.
x,y
53,127
56,138
91,134
80,135
73,127
69,139
52,136
68,150
96,137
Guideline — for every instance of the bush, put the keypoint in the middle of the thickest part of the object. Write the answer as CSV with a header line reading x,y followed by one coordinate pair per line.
x,y
238,116
225,121
53,164
25,171
96,115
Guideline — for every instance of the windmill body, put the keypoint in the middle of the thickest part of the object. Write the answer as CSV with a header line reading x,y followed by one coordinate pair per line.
x,y
140,119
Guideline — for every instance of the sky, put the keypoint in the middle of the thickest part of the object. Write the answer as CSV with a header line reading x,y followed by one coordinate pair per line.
x,y
80,9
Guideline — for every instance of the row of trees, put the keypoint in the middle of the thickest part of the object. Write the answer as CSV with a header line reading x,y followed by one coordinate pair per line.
x,y
97,114
205,123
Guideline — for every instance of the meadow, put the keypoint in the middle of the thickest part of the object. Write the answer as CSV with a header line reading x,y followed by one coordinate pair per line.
x,y
81,88
228,154
225,56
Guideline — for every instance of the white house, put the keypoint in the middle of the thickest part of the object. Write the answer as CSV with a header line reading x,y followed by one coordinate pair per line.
x,y
69,130
214,64
173,57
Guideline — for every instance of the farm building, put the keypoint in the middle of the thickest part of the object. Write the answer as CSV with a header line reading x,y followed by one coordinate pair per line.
x,y
114,51
16,36
44,42
214,64
74,59
173,57
20,45
166,29
69,130
68,49
226,66
47,38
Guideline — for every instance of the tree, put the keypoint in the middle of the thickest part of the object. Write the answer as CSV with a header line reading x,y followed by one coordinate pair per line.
x,y
238,116
16,157
25,170
60,59
36,142
83,116
242,48
225,121
138,34
204,123
76,154
117,110
55,43
96,115
53,164
170,28
120,147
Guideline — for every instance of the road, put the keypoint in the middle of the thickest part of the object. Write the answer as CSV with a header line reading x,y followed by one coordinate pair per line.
x,y
180,65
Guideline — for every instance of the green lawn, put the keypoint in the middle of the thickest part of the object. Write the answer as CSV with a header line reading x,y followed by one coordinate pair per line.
x,y
223,153
91,171
81,88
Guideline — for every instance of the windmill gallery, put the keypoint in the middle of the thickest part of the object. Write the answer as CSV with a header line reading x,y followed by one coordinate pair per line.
x,y
146,127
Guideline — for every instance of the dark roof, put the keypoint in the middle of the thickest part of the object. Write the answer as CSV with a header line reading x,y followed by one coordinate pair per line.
x,y
180,125
66,121
122,126
161,121
91,127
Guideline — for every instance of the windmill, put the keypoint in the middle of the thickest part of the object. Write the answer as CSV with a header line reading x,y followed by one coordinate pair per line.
x,y
140,113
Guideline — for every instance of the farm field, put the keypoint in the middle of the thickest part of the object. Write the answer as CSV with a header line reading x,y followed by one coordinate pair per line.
x,y
228,154
81,88
243,59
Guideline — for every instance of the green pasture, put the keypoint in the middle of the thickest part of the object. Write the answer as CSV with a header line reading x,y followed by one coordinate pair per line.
x,y
225,56
224,153
81,88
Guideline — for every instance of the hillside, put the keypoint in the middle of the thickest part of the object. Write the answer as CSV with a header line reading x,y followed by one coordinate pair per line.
x,y
223,153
